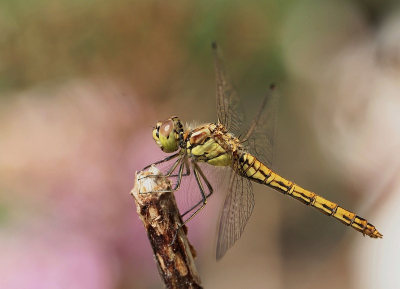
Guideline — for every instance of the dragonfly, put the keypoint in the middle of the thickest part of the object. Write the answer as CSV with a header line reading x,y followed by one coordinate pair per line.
x,y
248,153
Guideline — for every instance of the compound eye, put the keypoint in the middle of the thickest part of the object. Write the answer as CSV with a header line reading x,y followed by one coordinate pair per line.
x,y
166,128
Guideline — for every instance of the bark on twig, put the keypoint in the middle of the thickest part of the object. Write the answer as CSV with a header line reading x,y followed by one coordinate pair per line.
x,y
161,217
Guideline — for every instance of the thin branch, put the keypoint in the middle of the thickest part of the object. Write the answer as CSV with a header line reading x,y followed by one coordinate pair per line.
x,y
160,216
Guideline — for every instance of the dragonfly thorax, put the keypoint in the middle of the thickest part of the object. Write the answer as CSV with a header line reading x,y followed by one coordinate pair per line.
x,y
211,143
168,134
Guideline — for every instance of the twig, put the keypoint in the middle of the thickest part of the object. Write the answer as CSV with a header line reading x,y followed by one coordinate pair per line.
x,y
160,216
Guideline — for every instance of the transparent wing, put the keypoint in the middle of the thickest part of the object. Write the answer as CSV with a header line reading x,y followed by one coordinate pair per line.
x,y
188,196
238,206
229,109
259,139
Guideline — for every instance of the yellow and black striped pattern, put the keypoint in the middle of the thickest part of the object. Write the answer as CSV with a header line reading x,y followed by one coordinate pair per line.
x,y
250,167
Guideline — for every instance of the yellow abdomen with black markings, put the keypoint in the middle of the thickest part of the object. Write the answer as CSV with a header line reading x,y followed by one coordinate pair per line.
x,y
250,167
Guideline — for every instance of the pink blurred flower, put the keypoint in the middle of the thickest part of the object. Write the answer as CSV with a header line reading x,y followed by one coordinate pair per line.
x,y
68,157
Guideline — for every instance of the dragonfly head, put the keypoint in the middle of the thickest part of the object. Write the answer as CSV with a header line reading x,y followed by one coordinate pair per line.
x,y
168,134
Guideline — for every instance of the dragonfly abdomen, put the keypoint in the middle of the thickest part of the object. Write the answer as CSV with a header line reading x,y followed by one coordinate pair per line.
x,y
250,167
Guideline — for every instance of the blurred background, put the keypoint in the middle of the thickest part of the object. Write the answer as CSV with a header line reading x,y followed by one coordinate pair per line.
x,y
83,82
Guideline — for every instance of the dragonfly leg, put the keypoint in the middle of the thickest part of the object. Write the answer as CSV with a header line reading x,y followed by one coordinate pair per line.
x,y
162,161
187,173
180,175
167,174
183,164
199,174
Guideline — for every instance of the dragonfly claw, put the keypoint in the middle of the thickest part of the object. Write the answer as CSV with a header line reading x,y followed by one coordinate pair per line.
x,y
175,235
